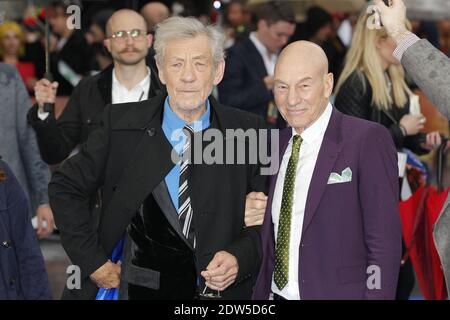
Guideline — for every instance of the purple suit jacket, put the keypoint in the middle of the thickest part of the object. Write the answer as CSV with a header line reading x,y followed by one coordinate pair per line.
x,y
347,226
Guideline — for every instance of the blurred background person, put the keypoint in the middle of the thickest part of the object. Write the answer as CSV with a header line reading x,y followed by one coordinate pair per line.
x,y
372,86
154,13
22,270
18,147
236,22
322,28
70,52
250,64
95,36
12,51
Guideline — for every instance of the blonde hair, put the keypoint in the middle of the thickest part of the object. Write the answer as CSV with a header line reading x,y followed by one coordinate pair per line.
x,y
363,58
14,26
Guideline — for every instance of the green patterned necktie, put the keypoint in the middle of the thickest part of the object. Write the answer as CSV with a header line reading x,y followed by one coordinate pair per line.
x,y
281,272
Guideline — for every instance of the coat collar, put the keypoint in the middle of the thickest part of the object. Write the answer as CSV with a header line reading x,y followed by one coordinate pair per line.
x,y
104,84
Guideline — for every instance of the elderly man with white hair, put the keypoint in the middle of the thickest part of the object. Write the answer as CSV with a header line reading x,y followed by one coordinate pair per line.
x,y
181,222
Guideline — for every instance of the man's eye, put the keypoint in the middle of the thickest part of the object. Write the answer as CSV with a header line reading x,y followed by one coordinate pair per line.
x,y
119,34
135,33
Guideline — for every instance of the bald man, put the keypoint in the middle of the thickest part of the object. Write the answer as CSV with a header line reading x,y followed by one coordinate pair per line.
x,y
331,228
128,79
154,13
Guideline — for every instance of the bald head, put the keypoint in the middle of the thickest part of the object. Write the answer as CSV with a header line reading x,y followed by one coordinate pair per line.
x,y
304,53
125,19
154,13
302,84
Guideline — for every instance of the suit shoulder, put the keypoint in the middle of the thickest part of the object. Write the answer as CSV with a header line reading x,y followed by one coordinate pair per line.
x,y
363,127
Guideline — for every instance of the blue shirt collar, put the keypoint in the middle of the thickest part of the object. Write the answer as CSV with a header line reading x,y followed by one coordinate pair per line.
x,y
173,122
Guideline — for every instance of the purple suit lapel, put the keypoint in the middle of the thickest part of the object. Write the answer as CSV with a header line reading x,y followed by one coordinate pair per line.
x,y
328,154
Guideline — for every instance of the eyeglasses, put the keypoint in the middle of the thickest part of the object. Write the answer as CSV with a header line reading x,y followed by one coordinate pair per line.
x,y
135,34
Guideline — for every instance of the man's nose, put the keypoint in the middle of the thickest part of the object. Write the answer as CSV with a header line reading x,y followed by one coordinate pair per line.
x,y
293,96
188,74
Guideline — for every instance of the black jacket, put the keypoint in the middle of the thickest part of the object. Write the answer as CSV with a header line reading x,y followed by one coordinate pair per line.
x,y
354,99
81,116
76,53
129,158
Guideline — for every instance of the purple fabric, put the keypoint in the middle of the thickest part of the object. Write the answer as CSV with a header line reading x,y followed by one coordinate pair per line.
x,y
347,226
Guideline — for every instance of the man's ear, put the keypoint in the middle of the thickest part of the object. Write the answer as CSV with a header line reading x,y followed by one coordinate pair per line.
x,y
220,69
262,24
329,83
107,44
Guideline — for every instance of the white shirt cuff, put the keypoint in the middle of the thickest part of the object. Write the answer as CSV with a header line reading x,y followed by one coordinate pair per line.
x,y
42,115
404,45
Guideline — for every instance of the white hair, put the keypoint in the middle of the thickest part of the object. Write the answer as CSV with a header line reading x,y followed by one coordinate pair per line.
x,y
182,28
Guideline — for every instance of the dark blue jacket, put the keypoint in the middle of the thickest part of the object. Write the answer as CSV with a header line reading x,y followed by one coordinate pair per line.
x,y
22,270
242,86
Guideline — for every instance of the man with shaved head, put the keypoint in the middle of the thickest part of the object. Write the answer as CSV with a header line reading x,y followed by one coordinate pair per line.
x,y
154,13
332,227
128,79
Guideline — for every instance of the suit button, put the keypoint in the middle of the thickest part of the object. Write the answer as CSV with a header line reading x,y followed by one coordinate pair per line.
x,y
88,120
114,188
6,244
12,281
151,132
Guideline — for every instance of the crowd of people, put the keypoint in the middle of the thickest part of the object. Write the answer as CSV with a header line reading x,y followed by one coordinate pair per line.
x,y
142,84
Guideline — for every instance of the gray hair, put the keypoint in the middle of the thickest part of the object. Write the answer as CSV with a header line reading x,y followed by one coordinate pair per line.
x,y
182,28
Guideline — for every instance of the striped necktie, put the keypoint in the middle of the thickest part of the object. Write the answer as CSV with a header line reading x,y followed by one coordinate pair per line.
x,y
185,211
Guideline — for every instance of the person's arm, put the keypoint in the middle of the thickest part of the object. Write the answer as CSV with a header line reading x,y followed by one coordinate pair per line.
x,y
37,172
58,138
237,90
247,248
241,259
428,67
379,196
70,189
32,277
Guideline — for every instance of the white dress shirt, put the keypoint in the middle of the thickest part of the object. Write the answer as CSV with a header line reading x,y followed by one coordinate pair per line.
x,y
270,59
120,94
309,150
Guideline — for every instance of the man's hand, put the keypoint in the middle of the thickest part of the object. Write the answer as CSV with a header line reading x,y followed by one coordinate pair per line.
x,y
107,276
412,124
269,81
434,141
45,221
255,208
221,272
45,92
393,18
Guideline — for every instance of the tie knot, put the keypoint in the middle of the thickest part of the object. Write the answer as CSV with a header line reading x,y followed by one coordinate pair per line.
x,y
188,131
296,142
